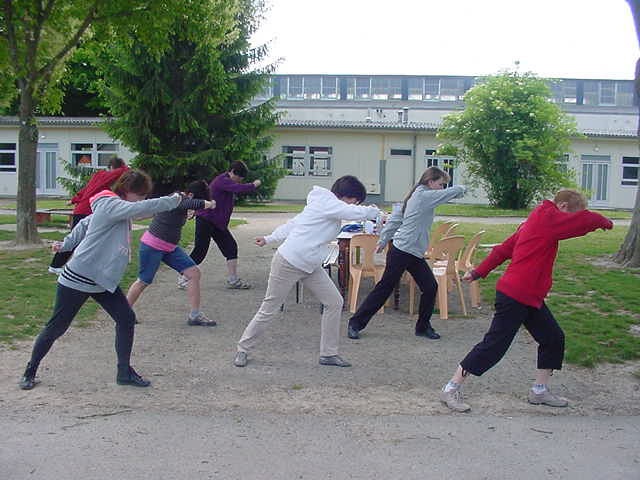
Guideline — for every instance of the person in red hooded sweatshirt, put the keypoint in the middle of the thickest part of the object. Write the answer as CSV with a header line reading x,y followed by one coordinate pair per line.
x,y
101,180
520,294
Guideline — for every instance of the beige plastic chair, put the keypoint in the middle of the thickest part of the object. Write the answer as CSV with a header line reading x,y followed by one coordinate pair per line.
x,y
465,264
364,247
443,230
447,247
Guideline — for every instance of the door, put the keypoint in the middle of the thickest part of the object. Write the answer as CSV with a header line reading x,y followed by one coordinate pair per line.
x,y
47,169
595,178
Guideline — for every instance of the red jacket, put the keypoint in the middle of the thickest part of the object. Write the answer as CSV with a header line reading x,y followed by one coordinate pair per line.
x,y
533,249
101,180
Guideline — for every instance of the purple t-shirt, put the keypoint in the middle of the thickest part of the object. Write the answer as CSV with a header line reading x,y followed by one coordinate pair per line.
x,y
223,191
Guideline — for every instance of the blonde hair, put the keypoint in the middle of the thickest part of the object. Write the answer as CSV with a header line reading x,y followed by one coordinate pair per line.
x,y
430,174
574,199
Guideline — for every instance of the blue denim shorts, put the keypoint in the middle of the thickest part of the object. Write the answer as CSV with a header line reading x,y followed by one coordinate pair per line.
x,y
150,259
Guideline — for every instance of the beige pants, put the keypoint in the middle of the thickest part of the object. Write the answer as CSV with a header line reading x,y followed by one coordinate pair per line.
x,y
282,278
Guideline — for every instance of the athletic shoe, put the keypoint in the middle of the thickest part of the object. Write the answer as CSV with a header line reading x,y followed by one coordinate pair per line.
x,y
547,398
429,333
56,270
241,359
132,378
239,284
201,320
353,333
335,361
453,400
182,282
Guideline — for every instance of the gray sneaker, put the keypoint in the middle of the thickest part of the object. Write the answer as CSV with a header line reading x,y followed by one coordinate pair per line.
x,y
241,359
454,400
201,320
182,282
547,398
335,361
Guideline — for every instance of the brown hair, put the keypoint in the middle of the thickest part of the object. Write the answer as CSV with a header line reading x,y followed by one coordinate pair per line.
x,y
116,162
574,199
431,173
135,181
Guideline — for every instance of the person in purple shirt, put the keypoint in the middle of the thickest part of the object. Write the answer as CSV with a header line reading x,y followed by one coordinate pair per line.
x,y
214,223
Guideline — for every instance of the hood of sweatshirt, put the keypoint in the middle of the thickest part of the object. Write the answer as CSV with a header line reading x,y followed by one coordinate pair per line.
x,y
320,195
103,193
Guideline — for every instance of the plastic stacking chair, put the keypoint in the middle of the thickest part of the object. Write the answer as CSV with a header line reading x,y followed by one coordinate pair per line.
x,y
365,246
444,271
465,264
443,230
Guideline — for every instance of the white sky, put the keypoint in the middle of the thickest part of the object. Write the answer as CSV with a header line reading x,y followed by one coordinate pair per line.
x,y
553,38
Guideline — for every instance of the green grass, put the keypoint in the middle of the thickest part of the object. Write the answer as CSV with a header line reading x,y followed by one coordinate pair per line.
x,y
29,290
594,305
485,211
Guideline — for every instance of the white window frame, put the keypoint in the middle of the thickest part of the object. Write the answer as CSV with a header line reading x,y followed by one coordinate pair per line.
x,y
10,168
439,161
94,153
294,161
629,182
336,89
321,157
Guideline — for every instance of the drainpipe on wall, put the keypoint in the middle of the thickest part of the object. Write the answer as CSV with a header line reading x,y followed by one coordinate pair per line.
x,y
413,158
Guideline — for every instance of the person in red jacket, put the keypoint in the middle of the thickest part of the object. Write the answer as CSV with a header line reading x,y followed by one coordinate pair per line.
x,y
520,294
101,180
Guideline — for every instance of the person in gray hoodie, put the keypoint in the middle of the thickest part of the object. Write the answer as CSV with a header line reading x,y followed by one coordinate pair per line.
x,y
102,252
409,229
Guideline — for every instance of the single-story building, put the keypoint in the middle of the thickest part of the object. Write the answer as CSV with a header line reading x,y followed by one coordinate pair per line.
x,y
379,128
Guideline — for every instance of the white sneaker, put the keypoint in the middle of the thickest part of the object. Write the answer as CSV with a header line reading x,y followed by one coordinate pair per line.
x,y
182,282
453,400
241,359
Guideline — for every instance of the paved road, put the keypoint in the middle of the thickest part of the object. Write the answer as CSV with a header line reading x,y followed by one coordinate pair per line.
x,y
247,445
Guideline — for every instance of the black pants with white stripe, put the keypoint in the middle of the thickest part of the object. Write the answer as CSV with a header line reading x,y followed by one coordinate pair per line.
x,y
68,303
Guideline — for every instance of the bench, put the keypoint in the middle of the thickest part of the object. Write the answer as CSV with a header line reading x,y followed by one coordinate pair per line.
x,y
43,215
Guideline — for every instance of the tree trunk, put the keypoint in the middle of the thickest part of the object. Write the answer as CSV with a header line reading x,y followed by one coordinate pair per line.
x,y
26,231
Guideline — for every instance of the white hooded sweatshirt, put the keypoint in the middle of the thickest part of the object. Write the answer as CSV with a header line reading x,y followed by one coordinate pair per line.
x,y
307,235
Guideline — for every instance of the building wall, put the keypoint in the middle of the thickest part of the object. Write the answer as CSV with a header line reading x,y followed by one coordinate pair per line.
x,y
63,136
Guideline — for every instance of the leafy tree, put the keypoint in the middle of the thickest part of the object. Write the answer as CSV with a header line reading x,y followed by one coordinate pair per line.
x,y
36,39
77,177
510,137
629,253
189,113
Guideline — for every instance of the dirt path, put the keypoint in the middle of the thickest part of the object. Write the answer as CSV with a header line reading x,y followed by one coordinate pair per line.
x,y
394,372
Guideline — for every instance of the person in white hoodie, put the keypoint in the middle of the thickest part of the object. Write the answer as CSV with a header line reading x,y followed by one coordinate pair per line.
x,y
299,259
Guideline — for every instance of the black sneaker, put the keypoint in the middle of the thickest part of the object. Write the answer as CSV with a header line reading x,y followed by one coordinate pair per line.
x,y
28,380
132,378
353,333
334,361
429,333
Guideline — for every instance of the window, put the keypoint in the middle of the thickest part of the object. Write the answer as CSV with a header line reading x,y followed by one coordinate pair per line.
x,y
294,160
591,96
451,89
330,88
431,88
624,94
296,87
607,92
386,88
563,163
320,161
401,152
7,157
569,89
445,163
630,170
303,161
312,87
95,155
415,88
359,88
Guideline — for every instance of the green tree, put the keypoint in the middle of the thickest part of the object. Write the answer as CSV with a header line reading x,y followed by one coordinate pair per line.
x,y
36,39
189,112
510,138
